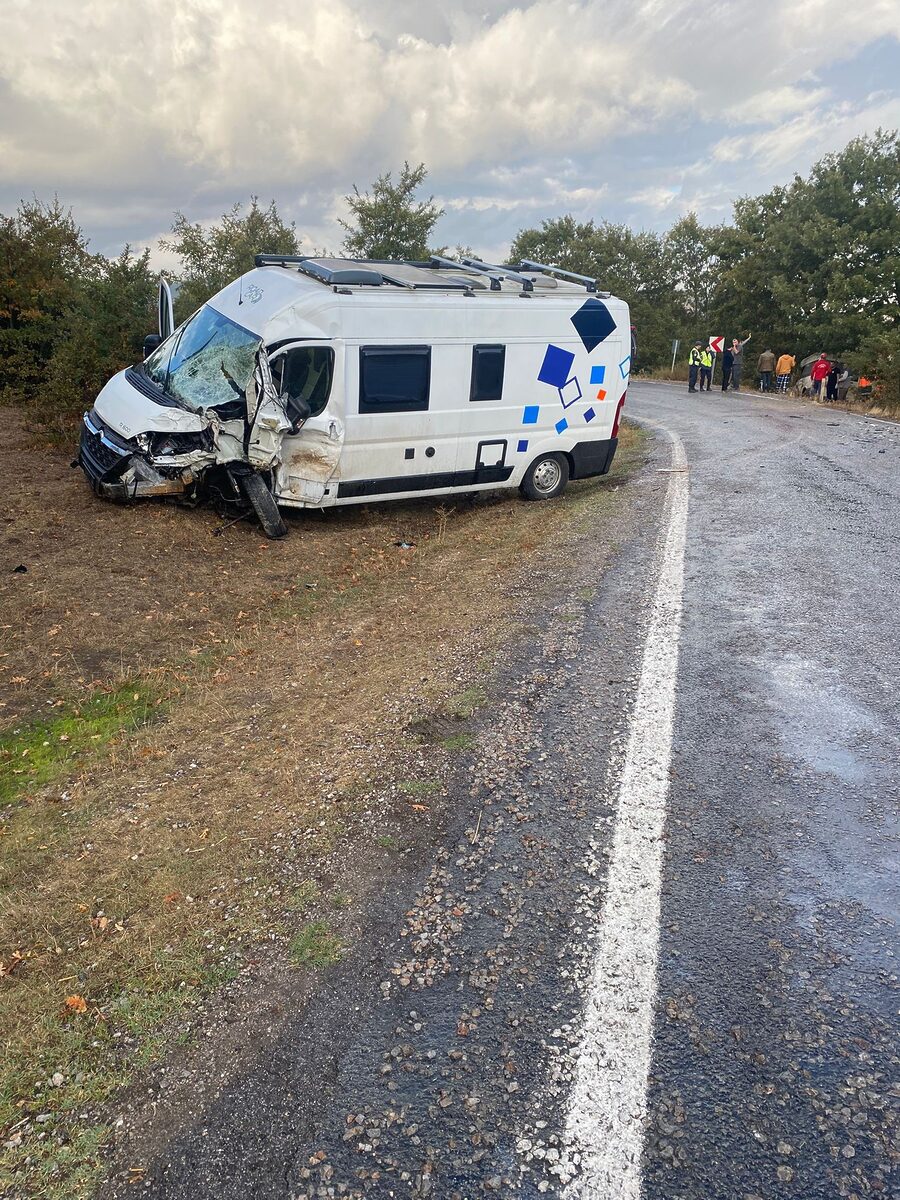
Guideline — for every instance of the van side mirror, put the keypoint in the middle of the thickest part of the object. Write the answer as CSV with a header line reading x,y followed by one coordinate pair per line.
x,y
151,341
297,410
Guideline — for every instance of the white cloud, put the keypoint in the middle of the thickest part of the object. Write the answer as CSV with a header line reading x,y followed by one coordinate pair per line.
x,y
767,108
533,107
797,143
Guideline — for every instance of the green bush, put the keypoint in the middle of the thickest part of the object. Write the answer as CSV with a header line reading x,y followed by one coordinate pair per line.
x,y
878,358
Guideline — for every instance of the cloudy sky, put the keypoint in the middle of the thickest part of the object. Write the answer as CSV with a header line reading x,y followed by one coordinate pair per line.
x,y
633,110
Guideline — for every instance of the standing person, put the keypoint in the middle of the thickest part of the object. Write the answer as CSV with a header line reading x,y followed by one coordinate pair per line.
x,y
837,370
766,367
727,365
694,362
783,371
706,361
819,373
737,360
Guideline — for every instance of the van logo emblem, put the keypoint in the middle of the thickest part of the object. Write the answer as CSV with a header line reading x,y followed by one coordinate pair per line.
x,y
253,293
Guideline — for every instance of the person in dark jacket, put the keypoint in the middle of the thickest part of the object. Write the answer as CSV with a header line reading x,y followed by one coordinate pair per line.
x,y
766,367
837,370
727,365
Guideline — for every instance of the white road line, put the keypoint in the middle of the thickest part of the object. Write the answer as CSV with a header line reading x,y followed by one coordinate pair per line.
x,y
604,1132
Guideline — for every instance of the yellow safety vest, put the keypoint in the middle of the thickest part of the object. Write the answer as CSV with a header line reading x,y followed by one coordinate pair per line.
x,y
695,357
706,358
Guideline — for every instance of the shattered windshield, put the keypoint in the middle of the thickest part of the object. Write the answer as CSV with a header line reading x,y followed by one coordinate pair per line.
x,y
208,361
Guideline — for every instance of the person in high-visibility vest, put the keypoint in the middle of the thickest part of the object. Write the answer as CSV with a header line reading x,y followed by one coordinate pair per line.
x,y
695,362
706,361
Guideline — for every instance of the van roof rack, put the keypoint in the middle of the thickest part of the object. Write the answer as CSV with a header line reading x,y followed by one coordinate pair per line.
x,y
437,260
475,264
590,285
360,272
434,274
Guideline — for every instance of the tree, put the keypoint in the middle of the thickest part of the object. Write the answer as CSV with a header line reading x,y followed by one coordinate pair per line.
x,y
389,223
43,256
816,264
690,250
213,257
631,265
878,357
101,331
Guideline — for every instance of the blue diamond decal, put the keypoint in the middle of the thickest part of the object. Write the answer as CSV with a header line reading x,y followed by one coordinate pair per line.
x,y
522,446
562,425
589,414
530,415
598,375
556,366
594,323
570,393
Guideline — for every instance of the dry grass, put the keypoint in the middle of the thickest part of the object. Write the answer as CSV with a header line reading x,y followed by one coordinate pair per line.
x,y
140,873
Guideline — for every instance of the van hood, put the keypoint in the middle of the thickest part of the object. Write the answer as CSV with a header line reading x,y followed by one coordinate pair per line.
x,y
129,412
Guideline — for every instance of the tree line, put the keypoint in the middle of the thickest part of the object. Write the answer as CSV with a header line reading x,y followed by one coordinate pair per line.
x,y
812,265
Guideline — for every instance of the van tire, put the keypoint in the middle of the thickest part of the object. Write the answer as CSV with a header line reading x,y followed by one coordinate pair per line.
x,y
546,477
263,504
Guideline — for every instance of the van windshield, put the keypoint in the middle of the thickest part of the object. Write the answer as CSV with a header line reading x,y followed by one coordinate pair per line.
x,y
208,361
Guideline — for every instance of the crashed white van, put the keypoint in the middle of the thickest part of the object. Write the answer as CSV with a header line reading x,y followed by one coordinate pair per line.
x,y
310,382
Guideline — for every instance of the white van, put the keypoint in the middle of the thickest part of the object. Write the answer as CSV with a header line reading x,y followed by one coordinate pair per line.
x,y
310,382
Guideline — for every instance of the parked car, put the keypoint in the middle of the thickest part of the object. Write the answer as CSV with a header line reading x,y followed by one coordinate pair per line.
x,y
312,382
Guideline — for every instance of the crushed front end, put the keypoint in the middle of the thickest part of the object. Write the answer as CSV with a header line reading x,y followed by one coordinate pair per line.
x,y
160,464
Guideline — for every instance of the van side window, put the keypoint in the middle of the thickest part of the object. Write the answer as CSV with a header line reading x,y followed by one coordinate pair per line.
x,y
304,373
394,378
487,372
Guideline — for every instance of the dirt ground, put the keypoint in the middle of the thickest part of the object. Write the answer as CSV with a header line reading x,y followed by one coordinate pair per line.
x,y
200,730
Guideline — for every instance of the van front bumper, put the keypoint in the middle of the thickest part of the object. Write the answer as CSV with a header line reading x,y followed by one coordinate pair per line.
x,y
117,469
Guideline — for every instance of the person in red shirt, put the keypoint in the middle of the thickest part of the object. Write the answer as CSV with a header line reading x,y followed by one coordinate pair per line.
x,y
819,373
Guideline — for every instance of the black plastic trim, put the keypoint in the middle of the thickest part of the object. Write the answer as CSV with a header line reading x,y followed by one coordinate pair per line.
x,y
143,384
592,458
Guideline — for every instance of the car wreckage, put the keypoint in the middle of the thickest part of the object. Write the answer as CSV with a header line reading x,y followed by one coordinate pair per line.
x,y
311,382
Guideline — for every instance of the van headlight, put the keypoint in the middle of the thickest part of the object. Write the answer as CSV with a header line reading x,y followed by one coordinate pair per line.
x,y
165,445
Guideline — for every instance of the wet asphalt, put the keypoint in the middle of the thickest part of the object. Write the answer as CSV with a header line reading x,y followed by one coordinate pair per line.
x,y
776,1041
437,1059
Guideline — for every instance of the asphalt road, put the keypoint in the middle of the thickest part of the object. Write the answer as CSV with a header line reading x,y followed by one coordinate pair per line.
x,y
776,1024
654,954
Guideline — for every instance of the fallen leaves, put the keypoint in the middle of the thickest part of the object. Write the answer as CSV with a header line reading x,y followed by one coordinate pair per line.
x,y
75,1004
15,960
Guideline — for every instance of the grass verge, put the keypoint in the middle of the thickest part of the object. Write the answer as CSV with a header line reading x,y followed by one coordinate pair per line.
x,y
37,753
139,855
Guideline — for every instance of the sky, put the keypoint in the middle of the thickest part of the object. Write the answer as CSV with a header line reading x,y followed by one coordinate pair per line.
x,y
623,110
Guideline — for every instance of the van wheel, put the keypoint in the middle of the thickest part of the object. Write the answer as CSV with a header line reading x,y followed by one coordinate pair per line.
x,y
263,504
546,477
